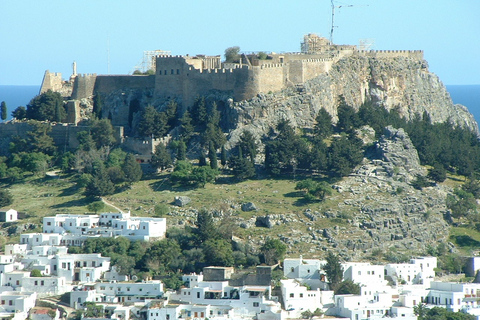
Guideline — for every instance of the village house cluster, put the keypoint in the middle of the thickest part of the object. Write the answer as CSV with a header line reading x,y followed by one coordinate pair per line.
x,y
390,290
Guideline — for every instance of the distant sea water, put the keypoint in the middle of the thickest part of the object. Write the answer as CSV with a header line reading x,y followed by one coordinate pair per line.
x,y
467,95
15,96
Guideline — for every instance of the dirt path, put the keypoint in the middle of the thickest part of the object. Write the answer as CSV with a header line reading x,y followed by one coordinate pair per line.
x,y
111,205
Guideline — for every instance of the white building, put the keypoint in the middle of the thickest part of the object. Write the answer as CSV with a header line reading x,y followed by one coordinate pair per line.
x,y
80,227
418,271
16,305
364,273
116,292
8,216
297,298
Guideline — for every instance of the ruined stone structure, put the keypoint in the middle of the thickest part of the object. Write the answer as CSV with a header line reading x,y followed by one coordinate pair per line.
x,y
186,77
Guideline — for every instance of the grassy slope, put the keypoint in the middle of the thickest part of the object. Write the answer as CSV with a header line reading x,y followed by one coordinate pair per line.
x,y
39,197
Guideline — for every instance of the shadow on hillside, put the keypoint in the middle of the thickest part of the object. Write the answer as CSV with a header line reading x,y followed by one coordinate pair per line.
x,y
466,241
72,203
294,194
70,191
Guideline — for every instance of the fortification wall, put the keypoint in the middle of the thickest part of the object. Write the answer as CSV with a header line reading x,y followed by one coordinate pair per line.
x,y
413,54
107,84
83,86
63,135
269,78
175,78
312,68
51,81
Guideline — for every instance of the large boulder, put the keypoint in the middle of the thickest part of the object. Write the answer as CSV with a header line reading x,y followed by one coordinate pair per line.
x,y
249,206
181,201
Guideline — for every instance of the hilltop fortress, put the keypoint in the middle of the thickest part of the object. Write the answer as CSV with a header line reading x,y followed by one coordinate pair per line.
x,y
255,90
184,78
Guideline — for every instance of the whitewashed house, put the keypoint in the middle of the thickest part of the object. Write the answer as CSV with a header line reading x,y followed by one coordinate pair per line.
x,y
16,305
8,215
297,298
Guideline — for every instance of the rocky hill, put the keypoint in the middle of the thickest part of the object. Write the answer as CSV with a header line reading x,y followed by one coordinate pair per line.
x,y
374,209
396,83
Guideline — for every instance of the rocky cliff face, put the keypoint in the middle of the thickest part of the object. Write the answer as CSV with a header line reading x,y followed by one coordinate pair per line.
x,y
401,83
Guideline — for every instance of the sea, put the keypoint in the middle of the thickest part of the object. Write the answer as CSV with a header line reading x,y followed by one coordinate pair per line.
x,y
14,96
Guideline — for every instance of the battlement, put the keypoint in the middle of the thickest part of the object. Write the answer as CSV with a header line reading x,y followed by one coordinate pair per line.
x,y
414,54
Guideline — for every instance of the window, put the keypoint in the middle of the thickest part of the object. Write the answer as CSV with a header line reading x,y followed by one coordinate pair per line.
x,y
168,317
18,282
42,283
292,269
198,296
256,304
359,273
102,288
292,295
3,301
128,289
301,295
36,282
49,223
10,302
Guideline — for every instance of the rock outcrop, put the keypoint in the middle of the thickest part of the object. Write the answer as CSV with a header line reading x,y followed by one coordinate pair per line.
x,y
396,83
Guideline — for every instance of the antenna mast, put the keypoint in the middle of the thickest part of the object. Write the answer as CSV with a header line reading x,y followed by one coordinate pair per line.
x,y
333,17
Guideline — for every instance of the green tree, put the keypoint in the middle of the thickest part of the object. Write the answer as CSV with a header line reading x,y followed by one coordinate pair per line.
x,y
232,54
161,158
461,203
102,133
323,125
218,252
223,156
206,228
97,105
19,113
186,126
202,159
334,270
171,114
248,145
36,273
212,156
96,206
181,151
47,106
161,257
100,184
273,251
437,173
472,186
39,139
348,118
242,168
161,210
6,198
314,190
344,154
420,310
348,287
131,168
3,110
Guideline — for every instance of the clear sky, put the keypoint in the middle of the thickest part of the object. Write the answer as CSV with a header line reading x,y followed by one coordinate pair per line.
x,y
111,35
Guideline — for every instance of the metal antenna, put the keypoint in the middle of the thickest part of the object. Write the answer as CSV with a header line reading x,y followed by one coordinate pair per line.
x,y
333,17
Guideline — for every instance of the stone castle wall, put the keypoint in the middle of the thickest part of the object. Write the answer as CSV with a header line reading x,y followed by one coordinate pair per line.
x,y
63,135
184,78
83,86
51,81
107,83
413,54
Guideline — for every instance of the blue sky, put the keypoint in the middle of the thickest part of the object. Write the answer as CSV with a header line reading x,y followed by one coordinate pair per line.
x,y
36,35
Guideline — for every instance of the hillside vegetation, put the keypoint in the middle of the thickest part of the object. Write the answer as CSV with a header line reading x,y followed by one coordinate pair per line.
x,y
358,187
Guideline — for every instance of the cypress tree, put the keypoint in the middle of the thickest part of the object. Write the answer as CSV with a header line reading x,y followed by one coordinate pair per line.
x,y
212,156
223,156
4,110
